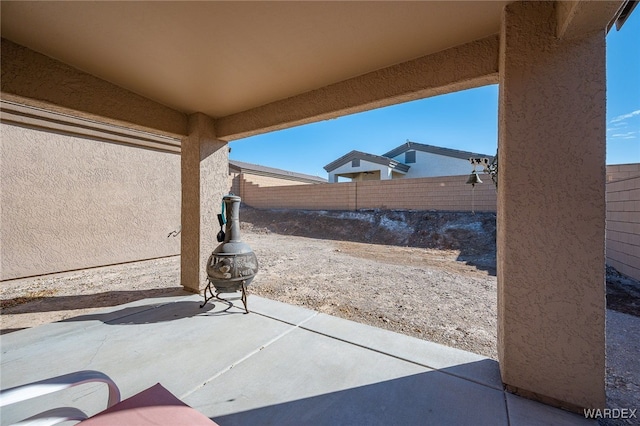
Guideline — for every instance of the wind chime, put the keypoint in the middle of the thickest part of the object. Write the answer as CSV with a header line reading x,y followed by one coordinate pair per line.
x,y
473,179
488,167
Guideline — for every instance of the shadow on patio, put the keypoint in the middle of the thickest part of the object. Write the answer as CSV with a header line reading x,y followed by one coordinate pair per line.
x,y
172,312
83,301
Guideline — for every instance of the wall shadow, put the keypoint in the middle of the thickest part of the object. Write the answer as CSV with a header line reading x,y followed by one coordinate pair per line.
x,y
10,330
87,301
434,397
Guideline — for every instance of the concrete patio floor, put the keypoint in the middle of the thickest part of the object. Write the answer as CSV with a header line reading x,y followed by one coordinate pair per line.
x,y
280,364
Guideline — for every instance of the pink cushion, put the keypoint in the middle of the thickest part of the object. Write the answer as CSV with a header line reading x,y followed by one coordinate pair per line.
x,y
153,406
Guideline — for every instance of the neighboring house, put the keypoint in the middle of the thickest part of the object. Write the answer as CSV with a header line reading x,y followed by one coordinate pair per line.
x,y
240,172
409,160
357,166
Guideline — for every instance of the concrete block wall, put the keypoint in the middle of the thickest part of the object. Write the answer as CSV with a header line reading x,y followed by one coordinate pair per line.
x,y
237,180
435,193
271,181
622,171
440,193
235,183
335,196
623,226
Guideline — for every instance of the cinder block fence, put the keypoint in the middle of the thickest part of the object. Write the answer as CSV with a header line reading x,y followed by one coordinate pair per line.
x,y
623,226
437,193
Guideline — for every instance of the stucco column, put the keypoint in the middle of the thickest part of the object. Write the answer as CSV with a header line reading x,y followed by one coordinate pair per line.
x,y
551,210
205,170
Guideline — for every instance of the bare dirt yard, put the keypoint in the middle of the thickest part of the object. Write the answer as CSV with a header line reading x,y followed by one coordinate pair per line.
x,y
426,274
429,275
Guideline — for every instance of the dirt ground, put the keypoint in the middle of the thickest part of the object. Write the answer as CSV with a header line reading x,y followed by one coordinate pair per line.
x,y
426,274
402,271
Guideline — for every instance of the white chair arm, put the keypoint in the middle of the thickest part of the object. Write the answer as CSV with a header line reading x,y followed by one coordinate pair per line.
x,y
43,387
52,417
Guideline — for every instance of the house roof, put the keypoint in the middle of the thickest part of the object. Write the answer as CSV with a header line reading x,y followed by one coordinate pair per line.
x,y
372,158
256,169
438,150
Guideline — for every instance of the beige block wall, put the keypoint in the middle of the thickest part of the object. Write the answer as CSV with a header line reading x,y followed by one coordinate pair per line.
x,y
335,196
235,183
622,171
271,181
623,226
70,203
238,180
441,193
436,193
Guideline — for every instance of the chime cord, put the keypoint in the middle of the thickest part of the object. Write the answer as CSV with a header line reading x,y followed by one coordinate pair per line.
x,y
473,192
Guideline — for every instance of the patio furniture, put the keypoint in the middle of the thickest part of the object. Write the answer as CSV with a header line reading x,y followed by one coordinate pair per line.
x,y
153,406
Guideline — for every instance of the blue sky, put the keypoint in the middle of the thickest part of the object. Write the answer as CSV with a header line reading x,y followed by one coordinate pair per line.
x,y
463,120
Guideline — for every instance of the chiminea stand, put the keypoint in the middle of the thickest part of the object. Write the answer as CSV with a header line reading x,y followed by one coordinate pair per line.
x,y
210,287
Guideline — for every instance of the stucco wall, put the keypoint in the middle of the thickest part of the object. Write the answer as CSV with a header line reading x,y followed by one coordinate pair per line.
x,y
623,226
440,193
70,203
204,175
551,210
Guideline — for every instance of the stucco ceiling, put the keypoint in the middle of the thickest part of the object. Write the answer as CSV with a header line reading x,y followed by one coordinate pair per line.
x,y
222,58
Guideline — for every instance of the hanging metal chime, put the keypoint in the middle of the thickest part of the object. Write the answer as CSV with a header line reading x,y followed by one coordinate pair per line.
x,y
473,179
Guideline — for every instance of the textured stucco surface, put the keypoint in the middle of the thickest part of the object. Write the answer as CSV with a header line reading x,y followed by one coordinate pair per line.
x,y
461,67
35,79
575,18
551,209
70,203
205,179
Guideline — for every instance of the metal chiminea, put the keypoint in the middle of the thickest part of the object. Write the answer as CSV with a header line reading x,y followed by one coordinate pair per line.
x,y
232,265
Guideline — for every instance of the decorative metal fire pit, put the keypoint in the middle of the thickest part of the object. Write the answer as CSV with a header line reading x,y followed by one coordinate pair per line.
x,y
232,265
